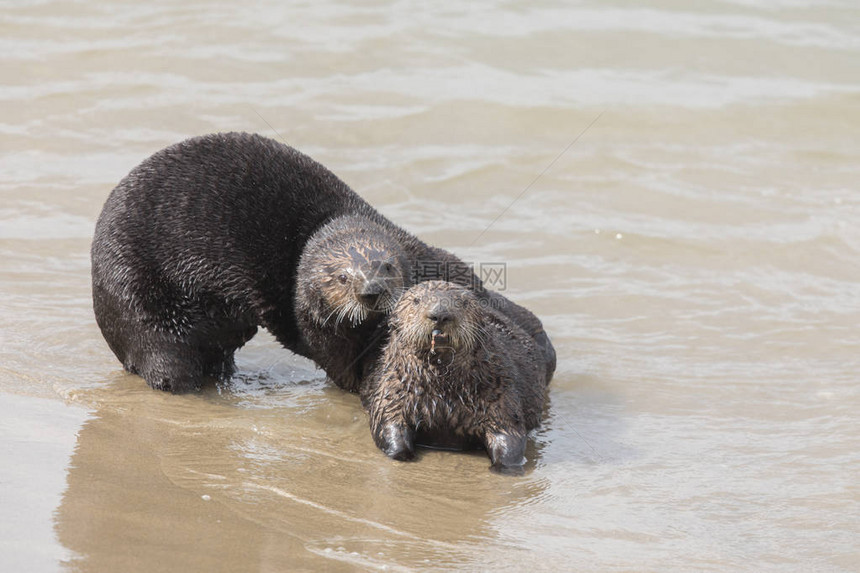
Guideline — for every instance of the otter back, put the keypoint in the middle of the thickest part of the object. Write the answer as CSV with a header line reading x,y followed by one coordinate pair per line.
x,y
200,244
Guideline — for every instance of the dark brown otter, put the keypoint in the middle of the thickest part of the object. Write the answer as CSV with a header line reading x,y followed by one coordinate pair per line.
x,y
350,275
455,373
199,245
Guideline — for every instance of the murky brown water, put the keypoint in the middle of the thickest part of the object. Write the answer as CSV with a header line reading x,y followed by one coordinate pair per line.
x,y
695,255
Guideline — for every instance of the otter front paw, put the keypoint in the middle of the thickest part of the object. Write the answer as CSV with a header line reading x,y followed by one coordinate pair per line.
x,y
507,452
396,441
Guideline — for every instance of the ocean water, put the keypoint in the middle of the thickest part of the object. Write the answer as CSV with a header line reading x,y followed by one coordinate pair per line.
x,y
671,186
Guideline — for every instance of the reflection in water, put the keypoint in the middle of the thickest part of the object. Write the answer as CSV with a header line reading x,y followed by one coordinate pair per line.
x,y
203,482
36,440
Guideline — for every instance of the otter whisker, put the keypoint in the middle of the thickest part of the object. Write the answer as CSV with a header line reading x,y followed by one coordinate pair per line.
x,y
357,313
341,315
391,298
334,310
470,334
351,314
415,334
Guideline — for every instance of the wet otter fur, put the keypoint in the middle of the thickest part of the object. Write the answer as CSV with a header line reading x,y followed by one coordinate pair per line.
x,y
455,373
200,245
351,274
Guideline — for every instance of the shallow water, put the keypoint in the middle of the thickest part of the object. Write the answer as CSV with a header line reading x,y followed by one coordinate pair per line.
x,y
673,190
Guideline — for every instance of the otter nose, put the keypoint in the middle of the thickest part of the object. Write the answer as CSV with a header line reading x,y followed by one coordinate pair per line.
x,y
439,315
368,299
371,293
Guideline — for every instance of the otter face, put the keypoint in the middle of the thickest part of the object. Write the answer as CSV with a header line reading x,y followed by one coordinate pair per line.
x,y
352,270
438,317
360,280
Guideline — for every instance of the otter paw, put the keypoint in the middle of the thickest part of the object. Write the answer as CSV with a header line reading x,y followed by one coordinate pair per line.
x,y
506,451
397,442
401,455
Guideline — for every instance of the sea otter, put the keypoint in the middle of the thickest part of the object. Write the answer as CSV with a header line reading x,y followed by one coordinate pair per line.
x,y
456,373
350,275
200,245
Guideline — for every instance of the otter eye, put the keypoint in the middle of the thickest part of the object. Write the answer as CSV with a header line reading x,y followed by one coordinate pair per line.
x,y
388,267
342,278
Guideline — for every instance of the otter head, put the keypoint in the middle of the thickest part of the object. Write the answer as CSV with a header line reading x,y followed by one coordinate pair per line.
x,y
438,318
351,270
